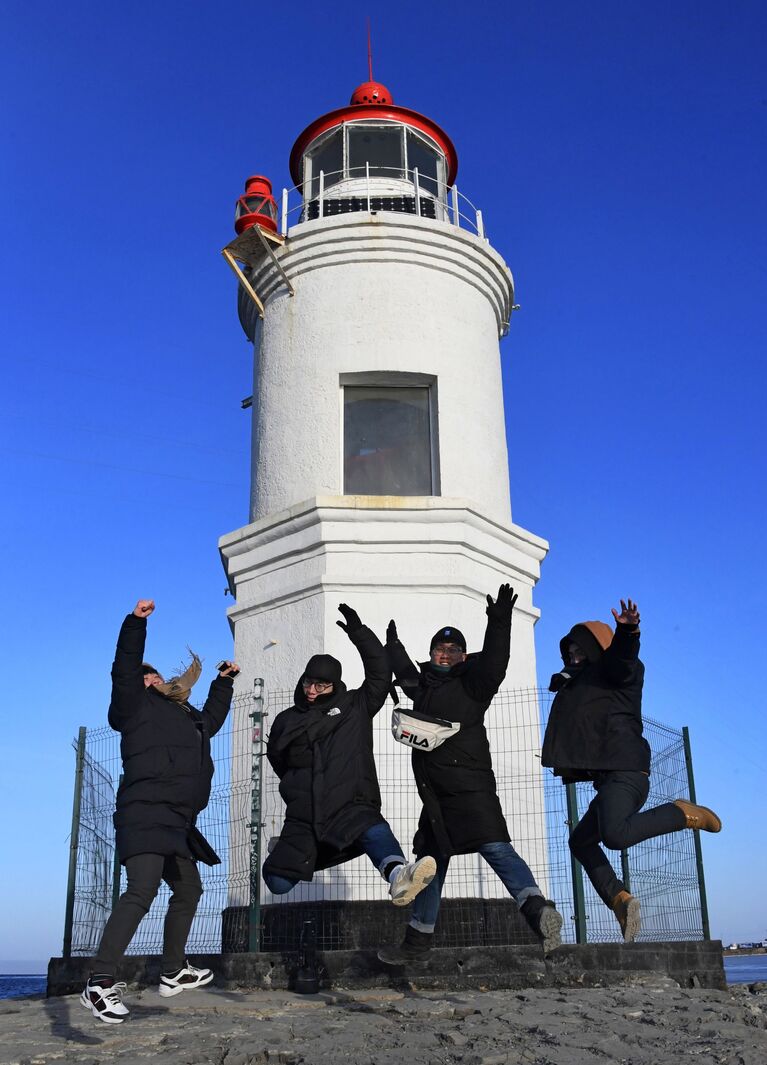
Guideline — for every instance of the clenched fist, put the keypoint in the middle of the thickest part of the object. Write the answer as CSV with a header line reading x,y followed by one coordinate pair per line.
x,y
143,608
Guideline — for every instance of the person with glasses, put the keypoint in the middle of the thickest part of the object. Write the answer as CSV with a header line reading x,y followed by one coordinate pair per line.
x,y
461,811
321,748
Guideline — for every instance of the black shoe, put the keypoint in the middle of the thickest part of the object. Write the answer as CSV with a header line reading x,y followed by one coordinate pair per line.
x,y
542,916
414,947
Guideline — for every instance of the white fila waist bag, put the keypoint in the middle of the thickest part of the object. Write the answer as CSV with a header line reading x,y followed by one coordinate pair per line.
x,y
421,732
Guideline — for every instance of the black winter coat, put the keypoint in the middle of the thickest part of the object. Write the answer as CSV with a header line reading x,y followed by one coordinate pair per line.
x,y
323,755
165,748
456,783
595,722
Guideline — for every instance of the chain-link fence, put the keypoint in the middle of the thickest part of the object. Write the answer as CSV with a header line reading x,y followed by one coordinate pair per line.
x,y
349,903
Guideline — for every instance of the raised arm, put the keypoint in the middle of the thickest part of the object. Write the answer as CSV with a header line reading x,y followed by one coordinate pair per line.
x,y
377,682
405,672
127,674
620,662
219,699
488,669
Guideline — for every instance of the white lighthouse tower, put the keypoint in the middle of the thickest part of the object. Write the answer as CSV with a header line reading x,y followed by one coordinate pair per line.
x,y
379,461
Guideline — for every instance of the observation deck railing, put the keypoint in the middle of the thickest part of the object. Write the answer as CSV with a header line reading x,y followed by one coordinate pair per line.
x,y
379,188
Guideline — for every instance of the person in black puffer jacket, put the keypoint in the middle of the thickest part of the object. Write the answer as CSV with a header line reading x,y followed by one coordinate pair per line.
x,y
321,748
461,810
167,774
594,732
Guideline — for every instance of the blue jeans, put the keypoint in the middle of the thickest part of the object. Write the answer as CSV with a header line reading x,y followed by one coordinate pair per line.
x,y
513,871
378,842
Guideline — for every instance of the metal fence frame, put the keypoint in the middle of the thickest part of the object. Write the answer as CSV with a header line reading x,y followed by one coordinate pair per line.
x,y
669,877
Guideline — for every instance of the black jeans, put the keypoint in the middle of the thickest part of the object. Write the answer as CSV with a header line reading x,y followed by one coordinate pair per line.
x,y
145,872
613,818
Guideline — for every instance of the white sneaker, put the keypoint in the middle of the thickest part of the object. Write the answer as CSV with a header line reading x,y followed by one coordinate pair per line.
x,y
184,980
412,878
106,1001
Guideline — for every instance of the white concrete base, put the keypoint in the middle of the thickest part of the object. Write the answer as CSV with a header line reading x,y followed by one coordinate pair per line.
x,y
425,561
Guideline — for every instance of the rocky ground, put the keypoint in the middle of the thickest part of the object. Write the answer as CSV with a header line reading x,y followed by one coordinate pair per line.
x,y
654,1022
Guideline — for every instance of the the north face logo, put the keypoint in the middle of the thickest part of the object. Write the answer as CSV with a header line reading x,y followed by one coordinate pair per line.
x,y
413,739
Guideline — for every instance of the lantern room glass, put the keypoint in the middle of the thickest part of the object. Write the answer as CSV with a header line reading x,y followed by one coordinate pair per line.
x,y
428,161
387,441
382,147
327,156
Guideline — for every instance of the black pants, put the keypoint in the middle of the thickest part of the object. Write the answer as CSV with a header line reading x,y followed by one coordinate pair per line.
x,y
613,818
145,872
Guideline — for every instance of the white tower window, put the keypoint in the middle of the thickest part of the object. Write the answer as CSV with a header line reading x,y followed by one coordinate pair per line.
x,y
389,439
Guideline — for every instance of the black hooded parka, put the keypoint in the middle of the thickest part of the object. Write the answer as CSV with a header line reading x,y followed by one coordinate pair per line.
x,y
165,748
456,783
323,756
595,723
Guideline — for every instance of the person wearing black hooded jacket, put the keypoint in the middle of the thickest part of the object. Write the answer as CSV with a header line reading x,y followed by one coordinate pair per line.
x,y
461,811
594,732
167,774
321,749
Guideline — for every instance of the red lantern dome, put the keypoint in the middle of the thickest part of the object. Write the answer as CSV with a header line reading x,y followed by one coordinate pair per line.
x,y
257,207
371,92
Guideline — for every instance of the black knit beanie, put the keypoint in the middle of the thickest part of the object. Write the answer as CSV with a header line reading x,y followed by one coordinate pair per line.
x,y
323,667
449,635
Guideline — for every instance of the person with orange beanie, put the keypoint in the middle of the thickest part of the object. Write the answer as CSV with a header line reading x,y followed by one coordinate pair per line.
x,y
594,732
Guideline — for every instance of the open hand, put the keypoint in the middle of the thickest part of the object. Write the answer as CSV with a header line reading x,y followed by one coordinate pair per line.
x,y
503,605
629,614
143,608
351,618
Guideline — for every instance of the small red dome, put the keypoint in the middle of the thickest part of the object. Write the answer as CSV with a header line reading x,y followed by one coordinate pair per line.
x,y
371,92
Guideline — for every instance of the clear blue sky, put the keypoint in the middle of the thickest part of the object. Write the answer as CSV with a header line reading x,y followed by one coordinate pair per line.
x,y
618,154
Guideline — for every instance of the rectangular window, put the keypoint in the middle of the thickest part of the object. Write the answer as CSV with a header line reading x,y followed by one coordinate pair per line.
x,y
428,162
388,441
381,146
328,157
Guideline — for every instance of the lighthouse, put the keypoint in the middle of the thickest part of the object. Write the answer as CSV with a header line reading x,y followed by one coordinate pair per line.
x,y
376,305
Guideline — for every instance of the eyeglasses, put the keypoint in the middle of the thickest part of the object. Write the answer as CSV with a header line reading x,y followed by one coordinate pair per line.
x,y
320,686
447,649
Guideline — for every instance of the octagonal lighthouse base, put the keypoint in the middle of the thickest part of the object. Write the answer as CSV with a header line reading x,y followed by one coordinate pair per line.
x,y
427,562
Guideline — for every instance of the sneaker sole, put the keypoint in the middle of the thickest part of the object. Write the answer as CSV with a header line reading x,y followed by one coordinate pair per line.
x,y
633,921
85,1001
170,992
421,879
550,929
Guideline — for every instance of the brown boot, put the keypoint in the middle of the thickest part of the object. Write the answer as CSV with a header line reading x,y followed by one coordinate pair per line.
x,y
699,817
626,909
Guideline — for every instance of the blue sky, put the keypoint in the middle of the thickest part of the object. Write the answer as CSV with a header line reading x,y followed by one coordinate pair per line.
x,y
618,155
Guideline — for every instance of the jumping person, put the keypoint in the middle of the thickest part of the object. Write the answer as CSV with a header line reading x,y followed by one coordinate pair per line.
x,y
461,810
594,733
167,767
321,748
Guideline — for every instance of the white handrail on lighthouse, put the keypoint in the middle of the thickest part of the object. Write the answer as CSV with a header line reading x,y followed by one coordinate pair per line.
x,y
469,218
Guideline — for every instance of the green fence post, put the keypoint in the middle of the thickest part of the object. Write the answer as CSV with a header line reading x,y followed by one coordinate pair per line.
x,y
579,903
116,867
696,837
254,911
74,840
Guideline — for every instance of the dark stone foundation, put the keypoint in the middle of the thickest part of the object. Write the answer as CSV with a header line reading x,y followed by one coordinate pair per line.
x,y
690,964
